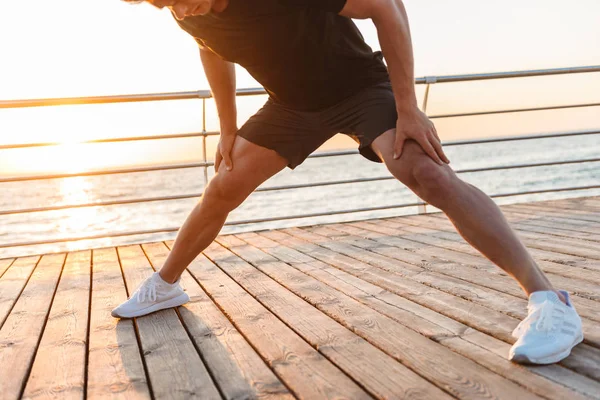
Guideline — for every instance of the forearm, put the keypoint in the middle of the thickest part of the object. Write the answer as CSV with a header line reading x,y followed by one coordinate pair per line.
x,y
221,78
393,30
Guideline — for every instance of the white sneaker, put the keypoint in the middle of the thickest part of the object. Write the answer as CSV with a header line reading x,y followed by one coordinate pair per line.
x,y
549,332
152,295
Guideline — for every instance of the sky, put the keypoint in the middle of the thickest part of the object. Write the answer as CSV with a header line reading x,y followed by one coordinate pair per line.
x,y
68,48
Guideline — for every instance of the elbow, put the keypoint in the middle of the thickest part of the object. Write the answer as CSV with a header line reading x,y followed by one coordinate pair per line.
x,y
381,9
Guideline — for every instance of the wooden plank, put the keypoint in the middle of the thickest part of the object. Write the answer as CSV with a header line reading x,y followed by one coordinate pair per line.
x,y
306,372
386,245
556,223
560,244
581,203
59,367
427,322
556,228
585,291
434,326
175,368
574,215
20,334
494,308
478,273
5,264
352,354
493,299
587,203
115,367
435,235
549,218
475,294
438,230
564,211
454,373
13,282
237,369
481,318
454,247
477,342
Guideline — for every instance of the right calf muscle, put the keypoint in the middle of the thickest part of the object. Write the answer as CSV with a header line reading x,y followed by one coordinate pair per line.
x,y
199,229
227,190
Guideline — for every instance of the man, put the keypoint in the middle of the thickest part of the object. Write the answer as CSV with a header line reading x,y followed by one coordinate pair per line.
x,y
323,79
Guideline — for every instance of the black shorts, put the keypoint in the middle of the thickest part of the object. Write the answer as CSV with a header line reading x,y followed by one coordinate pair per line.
x,y
295,134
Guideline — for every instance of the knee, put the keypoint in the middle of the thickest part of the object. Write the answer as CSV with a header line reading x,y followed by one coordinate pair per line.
x,y
433,180
223,194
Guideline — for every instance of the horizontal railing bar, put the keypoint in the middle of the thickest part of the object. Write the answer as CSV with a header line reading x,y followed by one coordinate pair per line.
x,y
315,155
515,110
205,94
286,187
530,165
109,140
106,172
101,204
520,137
567,189
261,220
128,98
510,74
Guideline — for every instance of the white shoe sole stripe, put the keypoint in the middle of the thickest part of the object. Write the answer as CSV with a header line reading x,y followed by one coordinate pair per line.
x,y
521,358
174,302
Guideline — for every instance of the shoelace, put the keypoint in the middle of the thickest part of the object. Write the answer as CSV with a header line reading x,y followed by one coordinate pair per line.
x,y
147,290
544,315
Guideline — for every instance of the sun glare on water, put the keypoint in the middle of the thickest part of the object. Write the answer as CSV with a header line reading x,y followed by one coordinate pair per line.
x,y
77,220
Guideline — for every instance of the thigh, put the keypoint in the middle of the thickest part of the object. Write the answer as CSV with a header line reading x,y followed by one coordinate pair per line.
x,y
252,165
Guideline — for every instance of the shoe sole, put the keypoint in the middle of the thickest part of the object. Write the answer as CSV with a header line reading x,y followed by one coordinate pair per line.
x,y
174,302
523,359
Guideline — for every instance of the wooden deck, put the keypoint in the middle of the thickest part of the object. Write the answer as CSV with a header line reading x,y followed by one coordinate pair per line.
x,y
393,308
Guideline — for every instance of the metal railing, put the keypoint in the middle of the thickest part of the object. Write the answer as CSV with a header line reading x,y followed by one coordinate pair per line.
x,y
204,95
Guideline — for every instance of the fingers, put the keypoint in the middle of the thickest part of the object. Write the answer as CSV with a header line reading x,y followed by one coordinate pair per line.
x,y
224,152
226,147
426,145
227,159
218,159
398,146
437,144
436,134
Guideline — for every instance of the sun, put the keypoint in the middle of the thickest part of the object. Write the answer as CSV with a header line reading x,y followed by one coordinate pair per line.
x,y
72,158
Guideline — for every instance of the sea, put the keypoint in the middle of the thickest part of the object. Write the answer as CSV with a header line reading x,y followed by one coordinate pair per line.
x,y
24,233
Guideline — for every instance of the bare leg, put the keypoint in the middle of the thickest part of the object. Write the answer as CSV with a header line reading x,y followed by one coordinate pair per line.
x,y
228,189
476,217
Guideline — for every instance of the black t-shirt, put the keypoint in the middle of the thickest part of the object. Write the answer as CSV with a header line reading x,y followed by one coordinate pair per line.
x,y
304,54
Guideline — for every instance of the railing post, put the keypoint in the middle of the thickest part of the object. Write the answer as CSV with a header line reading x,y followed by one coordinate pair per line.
x,y
428,80
204,141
